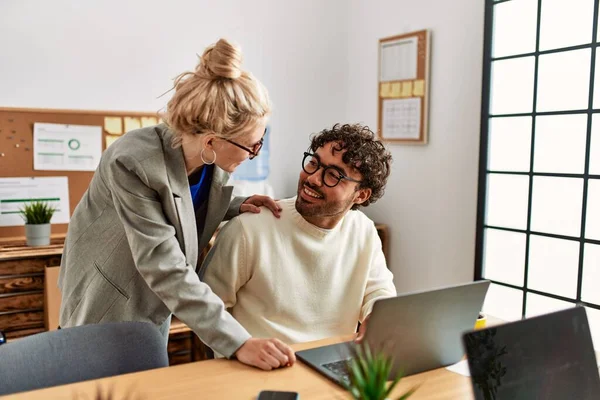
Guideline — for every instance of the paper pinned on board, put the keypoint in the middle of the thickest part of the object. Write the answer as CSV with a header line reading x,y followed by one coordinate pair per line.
x,y
149,121
110,139
395,91
402,118
113,125
419,88
15,193
132,123
398,60
58,147
384,89
406,89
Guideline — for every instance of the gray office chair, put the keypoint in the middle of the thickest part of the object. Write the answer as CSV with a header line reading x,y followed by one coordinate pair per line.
x,y
81,353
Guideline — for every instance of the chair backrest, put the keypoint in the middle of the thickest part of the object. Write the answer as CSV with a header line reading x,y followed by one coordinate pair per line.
x,y
80,353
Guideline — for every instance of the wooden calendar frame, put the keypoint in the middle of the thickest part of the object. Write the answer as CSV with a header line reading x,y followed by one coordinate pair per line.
x,y
403,101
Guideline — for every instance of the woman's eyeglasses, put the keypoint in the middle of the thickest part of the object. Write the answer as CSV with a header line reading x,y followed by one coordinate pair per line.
x,y
331,175
253,151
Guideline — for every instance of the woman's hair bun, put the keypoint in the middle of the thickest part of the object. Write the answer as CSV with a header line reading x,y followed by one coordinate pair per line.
x,y
222,60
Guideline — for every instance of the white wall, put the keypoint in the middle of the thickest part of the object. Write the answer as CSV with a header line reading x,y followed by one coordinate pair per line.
x,y
121,55
431,199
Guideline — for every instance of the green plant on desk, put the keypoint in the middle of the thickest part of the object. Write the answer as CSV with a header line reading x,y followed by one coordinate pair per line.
x,y
369,372
37,213
37,216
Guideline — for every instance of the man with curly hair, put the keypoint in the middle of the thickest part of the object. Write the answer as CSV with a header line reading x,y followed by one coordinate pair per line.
x,y
316,271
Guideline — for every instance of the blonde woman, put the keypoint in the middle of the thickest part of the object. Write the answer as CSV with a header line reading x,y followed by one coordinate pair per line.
x,y
157,197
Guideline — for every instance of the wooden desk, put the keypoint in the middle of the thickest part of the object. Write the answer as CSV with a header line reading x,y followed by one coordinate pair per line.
x,y
223,379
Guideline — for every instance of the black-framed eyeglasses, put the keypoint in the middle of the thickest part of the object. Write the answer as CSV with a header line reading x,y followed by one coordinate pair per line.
x,y
332,175
254,150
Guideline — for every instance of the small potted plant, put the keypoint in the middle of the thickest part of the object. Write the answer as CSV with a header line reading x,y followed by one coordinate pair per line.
x,y
368,374
37,216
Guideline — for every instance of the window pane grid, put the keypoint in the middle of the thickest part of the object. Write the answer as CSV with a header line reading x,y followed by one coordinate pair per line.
x,y
532,156
544,52
587,155
484,171
544,234
547,174
545,113
550,295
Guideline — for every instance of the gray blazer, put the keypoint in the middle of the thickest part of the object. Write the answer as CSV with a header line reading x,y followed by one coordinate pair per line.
x,y
131,252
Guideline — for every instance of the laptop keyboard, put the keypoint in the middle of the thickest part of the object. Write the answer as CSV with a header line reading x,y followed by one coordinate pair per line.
x,y
339,368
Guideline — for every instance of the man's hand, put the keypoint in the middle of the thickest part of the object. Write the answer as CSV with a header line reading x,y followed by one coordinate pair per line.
x,y
266,354
253,203
362,330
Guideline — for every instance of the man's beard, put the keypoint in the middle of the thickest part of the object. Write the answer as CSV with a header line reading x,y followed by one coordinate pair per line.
x,y
321,207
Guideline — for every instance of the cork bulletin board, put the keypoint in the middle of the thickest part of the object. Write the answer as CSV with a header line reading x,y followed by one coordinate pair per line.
x,y
17,147
403,87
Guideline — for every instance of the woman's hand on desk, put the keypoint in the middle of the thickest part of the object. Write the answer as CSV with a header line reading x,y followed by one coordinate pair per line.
x,y
266,354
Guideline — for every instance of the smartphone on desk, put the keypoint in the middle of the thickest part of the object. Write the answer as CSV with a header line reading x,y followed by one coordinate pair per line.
x,y
276,395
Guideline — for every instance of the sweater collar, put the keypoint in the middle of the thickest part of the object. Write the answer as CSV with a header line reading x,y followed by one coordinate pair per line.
x,y
307,226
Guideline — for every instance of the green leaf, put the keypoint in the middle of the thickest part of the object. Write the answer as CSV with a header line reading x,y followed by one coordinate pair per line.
x,y
356,375
395,382
37,212
368,375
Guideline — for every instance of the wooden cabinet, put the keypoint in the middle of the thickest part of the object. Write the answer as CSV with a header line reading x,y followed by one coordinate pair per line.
x,y
22,276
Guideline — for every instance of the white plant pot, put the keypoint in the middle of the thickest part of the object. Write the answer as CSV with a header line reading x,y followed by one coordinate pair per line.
x,y
37,234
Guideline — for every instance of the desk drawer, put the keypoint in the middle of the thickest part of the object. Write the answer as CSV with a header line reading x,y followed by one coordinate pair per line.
x,y
179,342
25,301
22,294
180,358
23,333
14,321
28,265
180,348
21,283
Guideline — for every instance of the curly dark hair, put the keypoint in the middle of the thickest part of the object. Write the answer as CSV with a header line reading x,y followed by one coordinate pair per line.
x,y
363,151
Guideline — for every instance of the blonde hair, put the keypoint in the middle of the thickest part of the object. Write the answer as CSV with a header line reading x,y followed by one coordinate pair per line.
x,y
218,97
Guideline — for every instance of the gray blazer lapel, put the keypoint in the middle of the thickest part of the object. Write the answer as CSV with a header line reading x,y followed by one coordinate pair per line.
x,y
218,203
178,180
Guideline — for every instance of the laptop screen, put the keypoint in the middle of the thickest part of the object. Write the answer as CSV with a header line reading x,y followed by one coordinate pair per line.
x,y
547,357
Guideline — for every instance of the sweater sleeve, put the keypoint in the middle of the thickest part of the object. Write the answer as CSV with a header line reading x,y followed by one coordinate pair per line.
x,y
380,282
224,268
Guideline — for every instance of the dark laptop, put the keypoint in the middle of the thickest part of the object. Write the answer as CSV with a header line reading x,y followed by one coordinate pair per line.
x,y
421,331
549,357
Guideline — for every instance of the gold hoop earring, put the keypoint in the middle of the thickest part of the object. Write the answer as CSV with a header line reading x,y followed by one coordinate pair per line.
x,y
206,162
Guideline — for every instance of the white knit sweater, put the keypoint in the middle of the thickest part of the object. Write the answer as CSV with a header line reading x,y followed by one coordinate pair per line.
x,y
294,281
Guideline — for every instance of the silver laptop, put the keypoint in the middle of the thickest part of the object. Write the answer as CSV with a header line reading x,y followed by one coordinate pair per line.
x,y
421,331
